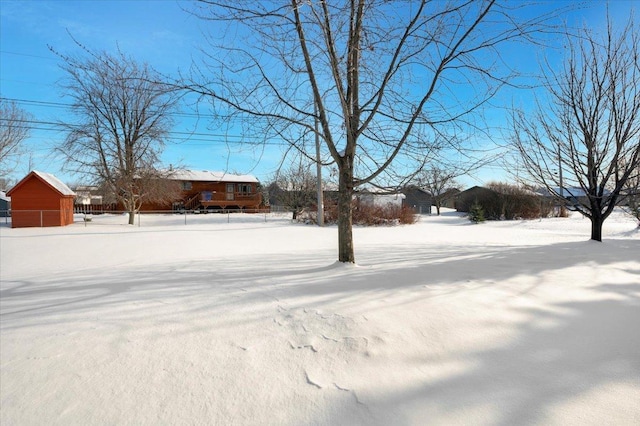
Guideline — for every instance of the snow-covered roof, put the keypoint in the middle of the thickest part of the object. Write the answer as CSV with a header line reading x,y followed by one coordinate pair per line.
x,y
4,197
383,196
207,176
575,191
48,178
55,182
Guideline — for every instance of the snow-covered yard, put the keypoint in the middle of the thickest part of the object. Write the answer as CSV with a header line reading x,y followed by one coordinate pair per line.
x,y
250,322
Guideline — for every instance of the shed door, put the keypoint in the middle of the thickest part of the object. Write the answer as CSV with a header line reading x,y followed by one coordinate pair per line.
x,y
230,191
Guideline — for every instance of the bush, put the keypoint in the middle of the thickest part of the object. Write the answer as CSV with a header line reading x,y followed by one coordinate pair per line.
x,y
516,202
407,216
547,207
366,214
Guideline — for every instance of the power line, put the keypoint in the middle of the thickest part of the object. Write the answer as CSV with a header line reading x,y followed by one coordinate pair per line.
x,y
188,136
30,102
7,52
182,136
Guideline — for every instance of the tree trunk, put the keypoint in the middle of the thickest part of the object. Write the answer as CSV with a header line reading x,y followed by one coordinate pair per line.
x,y
130,208
596,226
437,209
345,219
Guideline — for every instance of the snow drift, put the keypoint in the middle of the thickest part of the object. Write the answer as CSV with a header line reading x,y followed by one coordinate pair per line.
x,y
251,322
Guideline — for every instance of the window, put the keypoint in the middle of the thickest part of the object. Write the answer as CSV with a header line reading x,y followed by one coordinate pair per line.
x,y
244,188
186,186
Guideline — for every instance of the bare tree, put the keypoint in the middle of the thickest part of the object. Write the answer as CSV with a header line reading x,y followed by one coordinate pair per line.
x,y
123,118
439,181
584,145
381,75
295,188
14,129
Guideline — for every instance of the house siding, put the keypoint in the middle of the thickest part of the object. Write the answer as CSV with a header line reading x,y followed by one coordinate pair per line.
x,y
213,195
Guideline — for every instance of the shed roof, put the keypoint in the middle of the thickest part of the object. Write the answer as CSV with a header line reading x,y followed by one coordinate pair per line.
x,y
47,178
207,176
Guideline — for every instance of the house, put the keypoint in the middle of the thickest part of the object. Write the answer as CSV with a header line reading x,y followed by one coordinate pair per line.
x,y
448,198
293,200
575,195
5,205
87,195
212,190
504,202
464,199
41,199
487,198
379,199
417,199
89,199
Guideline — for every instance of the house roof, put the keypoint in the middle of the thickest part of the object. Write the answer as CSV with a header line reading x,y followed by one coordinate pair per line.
x,y
570,191
47,178
473,189
415,190
4,197
207,176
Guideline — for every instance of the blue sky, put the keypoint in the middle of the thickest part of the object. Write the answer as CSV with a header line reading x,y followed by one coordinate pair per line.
x,y
160,33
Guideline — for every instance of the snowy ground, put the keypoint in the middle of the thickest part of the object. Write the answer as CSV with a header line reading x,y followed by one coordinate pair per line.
x,y
251,322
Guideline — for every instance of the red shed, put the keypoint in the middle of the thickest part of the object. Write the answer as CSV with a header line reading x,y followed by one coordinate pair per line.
x,y
41,199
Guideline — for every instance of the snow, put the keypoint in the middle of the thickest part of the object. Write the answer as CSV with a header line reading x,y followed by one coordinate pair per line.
x,y
247,320
56,183
207,176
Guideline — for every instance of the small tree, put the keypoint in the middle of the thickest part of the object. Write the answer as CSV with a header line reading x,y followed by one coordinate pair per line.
x,y
587,137
123,119
14,129
439,181
476,213
6,183
294,188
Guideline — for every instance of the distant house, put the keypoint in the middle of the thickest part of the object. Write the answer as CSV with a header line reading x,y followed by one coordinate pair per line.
x,y
379,199
448,198
212,190
575,195
275,194
504,202
5,205
489,199
87,195
277,197
89,199
417,199
41,199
